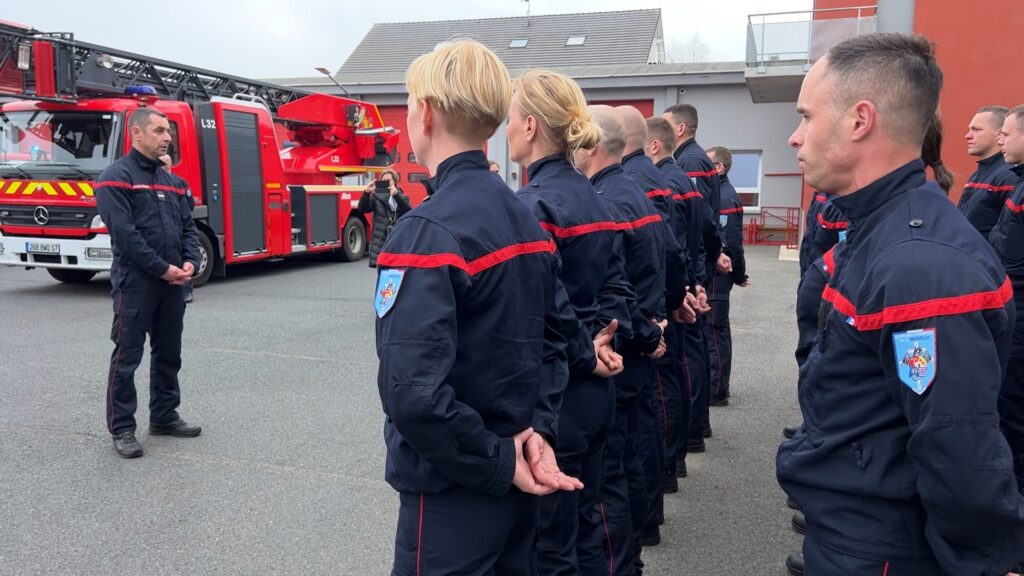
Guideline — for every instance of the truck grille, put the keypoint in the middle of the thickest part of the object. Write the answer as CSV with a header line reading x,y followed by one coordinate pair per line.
x,y
55,216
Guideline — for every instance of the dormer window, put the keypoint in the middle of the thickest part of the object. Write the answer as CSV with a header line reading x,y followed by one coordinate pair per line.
x,y
576,40
519,43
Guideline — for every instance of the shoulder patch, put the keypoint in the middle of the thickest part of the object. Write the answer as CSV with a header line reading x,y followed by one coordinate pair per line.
x,y
842,235
723,219
916,358
389,282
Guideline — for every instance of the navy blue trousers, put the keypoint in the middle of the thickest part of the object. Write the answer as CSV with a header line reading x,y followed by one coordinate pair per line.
x,y
821,560
570,540
145,306
465,532
1011,414
718,335
697,380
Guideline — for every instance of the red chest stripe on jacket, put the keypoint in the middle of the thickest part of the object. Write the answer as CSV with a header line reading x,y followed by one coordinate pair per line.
x,y
735,210
989,187
130,186
832,225
830,261
656,193
579,230
821,198
635,224
707,174
919,310
1013,207
472,267
688,196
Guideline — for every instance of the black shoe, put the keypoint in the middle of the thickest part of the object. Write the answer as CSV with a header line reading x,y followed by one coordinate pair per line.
x,y
670,484
792,503
723,401
188,297
177,428
799,523
650,537
789,431
707,432
681,469
695,445
795,564
126,445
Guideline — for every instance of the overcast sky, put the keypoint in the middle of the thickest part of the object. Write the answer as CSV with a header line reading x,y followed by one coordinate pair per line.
x,y
285,38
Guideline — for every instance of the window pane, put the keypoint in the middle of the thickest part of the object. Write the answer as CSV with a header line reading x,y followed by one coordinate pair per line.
x,y
749,198
746,169
519,43
575,40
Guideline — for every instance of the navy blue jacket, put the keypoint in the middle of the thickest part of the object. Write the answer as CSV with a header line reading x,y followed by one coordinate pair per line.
x,y
824,227
808,302
644,248
640,168
701,171
149,216
591,272
986,192
468,349
882,470
1007,238
694,209
731,221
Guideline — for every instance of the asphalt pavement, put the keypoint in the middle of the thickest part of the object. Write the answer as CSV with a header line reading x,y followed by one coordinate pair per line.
x,y
288,474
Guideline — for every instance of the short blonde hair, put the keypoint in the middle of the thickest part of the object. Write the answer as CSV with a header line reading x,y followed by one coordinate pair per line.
x,y
560,108
467,83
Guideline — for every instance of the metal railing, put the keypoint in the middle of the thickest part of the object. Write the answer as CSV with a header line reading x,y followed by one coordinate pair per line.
x,y
800,38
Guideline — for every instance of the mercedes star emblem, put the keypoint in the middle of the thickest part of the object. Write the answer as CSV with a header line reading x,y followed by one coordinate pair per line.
x,y
41,215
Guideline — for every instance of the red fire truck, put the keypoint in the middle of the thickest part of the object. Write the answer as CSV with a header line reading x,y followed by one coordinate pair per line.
x,y
273,170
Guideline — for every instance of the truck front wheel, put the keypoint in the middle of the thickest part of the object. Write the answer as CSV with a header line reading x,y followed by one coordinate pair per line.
x,y
353,238
71,276
207,258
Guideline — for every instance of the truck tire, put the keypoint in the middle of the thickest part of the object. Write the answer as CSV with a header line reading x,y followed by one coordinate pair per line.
x,y
71,276
353,239
207,259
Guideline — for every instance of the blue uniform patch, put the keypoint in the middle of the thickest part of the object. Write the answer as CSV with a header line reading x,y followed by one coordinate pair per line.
x,y
915,358
723,219
842,235
388,284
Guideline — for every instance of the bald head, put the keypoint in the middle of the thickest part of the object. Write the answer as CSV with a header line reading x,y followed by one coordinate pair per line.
x,y
613,136
635,125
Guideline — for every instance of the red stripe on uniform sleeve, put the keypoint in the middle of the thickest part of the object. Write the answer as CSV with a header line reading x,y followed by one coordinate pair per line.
x,y
658,193
707,174
840,225
989,187
735,210
951,306
1013,207
830,260
691,196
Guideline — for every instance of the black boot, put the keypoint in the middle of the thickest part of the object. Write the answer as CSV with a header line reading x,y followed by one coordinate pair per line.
x,y
799,523
790,431
795,564
177,428
126,445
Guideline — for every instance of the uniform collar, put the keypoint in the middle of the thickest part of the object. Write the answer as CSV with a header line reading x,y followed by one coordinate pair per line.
x,y
605,172
469,160
553,160
663,161
722,178
867,200
1018,170
144,161
632,156
996,158
682,147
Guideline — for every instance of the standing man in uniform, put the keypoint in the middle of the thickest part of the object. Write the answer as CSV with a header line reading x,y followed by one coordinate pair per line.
x,y
471,373
988,188
1008,240
698,167
168,162
900,466
719,332
156,251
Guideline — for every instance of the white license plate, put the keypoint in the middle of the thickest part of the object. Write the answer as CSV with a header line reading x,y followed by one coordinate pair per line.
x,y
42,248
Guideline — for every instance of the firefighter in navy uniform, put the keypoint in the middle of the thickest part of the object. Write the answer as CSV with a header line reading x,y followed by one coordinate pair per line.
x,y
623,509
698,167
1007,239
732,272
167,162
900,467
547,122
985,192
471,370
824,227
156,250
679,406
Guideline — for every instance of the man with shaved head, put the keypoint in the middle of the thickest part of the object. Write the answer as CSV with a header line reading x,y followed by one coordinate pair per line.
x,y
643,252
900,466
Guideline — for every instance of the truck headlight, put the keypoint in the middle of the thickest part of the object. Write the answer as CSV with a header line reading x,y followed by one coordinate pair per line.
x,y
98,253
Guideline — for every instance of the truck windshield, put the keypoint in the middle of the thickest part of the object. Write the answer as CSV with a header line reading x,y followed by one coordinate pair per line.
x,y
72,145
